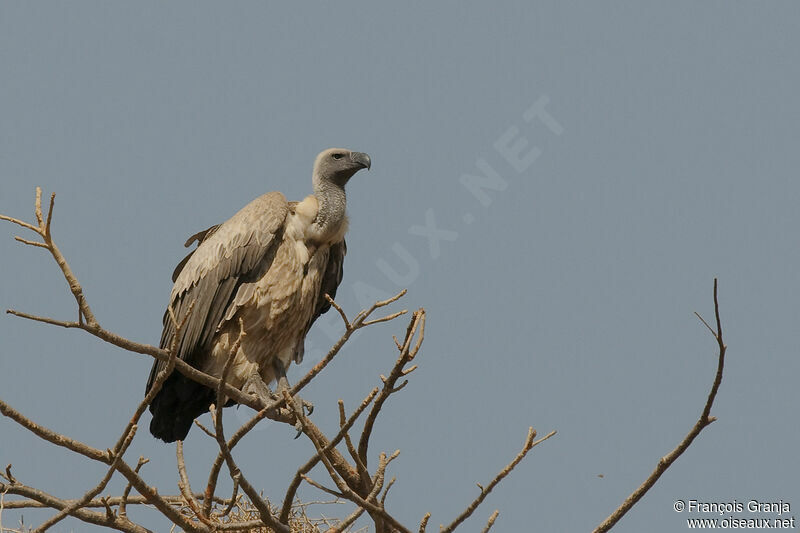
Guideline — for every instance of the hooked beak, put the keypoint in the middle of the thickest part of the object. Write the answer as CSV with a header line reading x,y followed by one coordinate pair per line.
x,y
362,159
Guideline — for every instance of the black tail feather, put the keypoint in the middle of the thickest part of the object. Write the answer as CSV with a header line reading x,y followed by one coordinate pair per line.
x,y
176,405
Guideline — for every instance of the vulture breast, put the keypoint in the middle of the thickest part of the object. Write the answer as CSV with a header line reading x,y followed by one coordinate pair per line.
x,y
277,307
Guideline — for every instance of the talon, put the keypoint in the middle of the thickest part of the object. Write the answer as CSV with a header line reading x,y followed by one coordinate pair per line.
x,y
283,385
272,396
309,407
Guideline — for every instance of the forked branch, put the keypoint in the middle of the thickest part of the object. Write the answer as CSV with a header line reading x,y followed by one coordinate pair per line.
x,y
704,421
529,444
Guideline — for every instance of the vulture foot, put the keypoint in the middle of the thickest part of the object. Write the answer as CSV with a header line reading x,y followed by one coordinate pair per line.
x,y
255,386
283,385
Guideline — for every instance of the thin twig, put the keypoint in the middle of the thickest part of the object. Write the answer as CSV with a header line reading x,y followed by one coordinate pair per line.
x,y
363,315
183,485
38,210
30,243
9,476
386,491
123,504
347,522
109,511
339,310
380,475
205,430
490,523
706,324
229,507
46,320
50,214
386,318
351,449
424,522
322,487
19,223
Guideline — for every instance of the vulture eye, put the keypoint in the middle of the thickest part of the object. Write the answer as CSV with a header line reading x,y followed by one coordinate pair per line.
x,y
338,156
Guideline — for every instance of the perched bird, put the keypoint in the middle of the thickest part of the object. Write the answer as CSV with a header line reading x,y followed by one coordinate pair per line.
x,y
269,265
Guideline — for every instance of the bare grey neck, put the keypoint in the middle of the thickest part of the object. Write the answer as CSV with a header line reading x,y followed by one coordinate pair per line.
x,y
332,204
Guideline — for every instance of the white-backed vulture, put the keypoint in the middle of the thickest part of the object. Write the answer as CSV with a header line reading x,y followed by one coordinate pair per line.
x,y
269,265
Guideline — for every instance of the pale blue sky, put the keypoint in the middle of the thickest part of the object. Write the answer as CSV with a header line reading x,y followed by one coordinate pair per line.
x,y
563,301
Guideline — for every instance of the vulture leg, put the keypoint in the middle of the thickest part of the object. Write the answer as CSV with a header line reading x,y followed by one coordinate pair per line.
x,y
255,386
283,384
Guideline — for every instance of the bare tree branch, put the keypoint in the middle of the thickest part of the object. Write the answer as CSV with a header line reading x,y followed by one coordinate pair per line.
x,y
407,353
363,473
91,517
235,472
347,492
123,504
229,507
87,321
235,438
350,328
163,355
70,509
322,487
128,433
115,501
347,522
93,453
311,463
704,421
353,481
529,444
184,486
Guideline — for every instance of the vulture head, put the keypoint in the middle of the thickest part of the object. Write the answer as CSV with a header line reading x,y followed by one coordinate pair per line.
x,y
337,166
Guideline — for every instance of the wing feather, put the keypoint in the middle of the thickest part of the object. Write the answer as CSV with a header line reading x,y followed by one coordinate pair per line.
x,y
228,256
200,236
331,279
